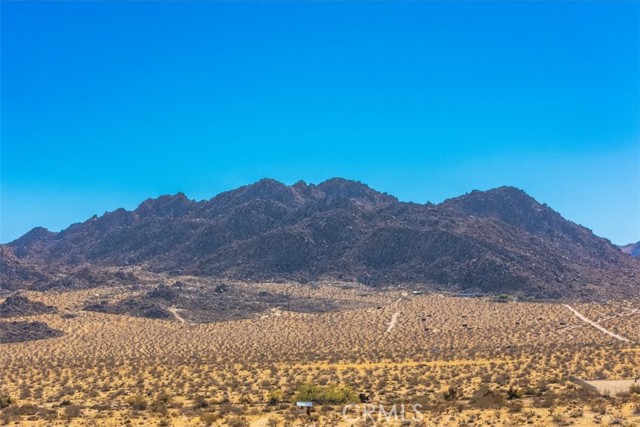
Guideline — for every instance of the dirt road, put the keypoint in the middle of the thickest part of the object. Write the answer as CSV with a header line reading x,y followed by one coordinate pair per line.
x,y
394,319
176,314
597,326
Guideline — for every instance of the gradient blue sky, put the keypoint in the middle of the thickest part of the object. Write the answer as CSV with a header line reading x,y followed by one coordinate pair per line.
x,y
107,103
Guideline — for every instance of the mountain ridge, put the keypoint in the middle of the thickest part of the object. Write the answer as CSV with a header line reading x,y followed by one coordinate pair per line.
x,y
499,240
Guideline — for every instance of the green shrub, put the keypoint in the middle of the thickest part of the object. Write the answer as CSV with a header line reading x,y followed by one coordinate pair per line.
x,y
331,395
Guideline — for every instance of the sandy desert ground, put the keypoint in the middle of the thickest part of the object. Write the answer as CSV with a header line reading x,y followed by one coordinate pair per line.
x,y
466,361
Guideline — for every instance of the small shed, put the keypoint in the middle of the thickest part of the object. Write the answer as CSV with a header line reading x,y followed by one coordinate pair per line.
x,y
305,406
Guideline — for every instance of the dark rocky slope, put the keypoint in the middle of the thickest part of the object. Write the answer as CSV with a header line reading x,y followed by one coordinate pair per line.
x,y
497,241
632,249
15,306
12,332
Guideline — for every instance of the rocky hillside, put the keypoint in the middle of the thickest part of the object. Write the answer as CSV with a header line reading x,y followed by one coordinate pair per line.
x,y
15,272
497,241
16,306
12,332
632,249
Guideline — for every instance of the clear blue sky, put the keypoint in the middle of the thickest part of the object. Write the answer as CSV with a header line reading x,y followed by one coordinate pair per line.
x,y
107,103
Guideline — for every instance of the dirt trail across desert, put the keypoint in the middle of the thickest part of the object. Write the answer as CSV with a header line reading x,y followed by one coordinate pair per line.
x,y
393,321
394,317
177,315
595,325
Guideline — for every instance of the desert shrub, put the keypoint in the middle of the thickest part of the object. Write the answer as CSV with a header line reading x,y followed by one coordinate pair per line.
x,y
72,411
451,394
237,422
47,414
274,397
159,407
101,407
515,407
576,413
13,412
25,393
5,418
209,418
200,402
503,298
163,397
544,402
485,398
634,389
599,407
331,395
64,392
557,417
229,408
160,404
5,400
137,402
513,393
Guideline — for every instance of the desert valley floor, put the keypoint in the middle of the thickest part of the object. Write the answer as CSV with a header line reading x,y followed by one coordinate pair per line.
x,y
466,361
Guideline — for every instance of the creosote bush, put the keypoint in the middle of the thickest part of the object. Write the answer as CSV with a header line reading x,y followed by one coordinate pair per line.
x,y
137,402
5,400
331,395
274,397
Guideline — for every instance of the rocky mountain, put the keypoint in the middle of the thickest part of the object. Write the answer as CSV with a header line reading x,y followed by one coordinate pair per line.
x,y
15,271
496,241
632,249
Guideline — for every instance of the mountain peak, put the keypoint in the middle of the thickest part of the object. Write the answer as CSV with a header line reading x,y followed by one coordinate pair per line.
x,y
354,190
32,240
498,194
512,206
37,233
264,189
166,205
479,202
267,187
